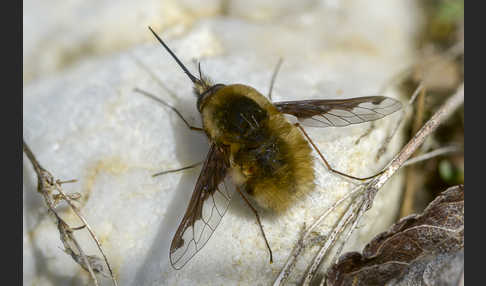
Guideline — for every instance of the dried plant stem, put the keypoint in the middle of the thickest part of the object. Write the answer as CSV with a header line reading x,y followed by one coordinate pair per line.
x,y
367,192
330,241
432,154
370,189
306,234
358,216
46,184
91,232
412,175
398,123
331,209
430,126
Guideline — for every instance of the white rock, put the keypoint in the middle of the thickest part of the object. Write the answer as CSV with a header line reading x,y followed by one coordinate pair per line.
x,y
89,124
57,34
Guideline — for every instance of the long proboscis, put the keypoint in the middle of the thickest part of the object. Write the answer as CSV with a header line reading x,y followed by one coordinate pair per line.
x,y
194,79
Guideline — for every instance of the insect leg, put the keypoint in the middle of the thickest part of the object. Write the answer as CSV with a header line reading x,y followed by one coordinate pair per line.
x,y
327,164
259,222
272,81
177,170
169,106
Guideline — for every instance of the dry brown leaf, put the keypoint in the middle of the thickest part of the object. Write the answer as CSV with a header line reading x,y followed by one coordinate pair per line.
x,y
433,270
417,246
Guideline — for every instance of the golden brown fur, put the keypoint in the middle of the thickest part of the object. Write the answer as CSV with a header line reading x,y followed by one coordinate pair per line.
x,y
270,158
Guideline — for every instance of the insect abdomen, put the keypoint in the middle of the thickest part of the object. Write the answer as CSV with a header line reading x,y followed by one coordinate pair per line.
x,y
284,167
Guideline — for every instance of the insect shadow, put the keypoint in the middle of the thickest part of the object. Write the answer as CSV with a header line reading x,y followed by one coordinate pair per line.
x,y
187,143
190,147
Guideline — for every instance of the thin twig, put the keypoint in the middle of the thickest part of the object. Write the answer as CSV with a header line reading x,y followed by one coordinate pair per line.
x,y
331,209
290,264
46,184
331,239
370,189
411,174
432,154
346,237
67,237
400,76
398,123
430,126
359,215
302,242
90,230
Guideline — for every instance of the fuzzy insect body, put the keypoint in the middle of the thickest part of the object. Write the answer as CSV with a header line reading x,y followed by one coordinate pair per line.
x,y
255,150
269,157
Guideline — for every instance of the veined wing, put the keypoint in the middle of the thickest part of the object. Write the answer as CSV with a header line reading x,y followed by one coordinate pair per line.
x,y
208,205
339,112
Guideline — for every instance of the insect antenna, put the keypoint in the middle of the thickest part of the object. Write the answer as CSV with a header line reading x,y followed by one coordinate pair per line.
x,y
200,85
194,79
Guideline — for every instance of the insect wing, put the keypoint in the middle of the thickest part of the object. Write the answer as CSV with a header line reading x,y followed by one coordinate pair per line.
x,y
339,112
207,206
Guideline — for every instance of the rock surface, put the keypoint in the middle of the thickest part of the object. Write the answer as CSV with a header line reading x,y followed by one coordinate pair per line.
x,y
85,122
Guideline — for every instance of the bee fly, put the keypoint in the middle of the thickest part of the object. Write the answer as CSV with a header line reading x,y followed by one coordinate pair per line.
x,y
256,151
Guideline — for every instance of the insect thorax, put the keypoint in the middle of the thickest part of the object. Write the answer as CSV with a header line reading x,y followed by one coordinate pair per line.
x,y
236,114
